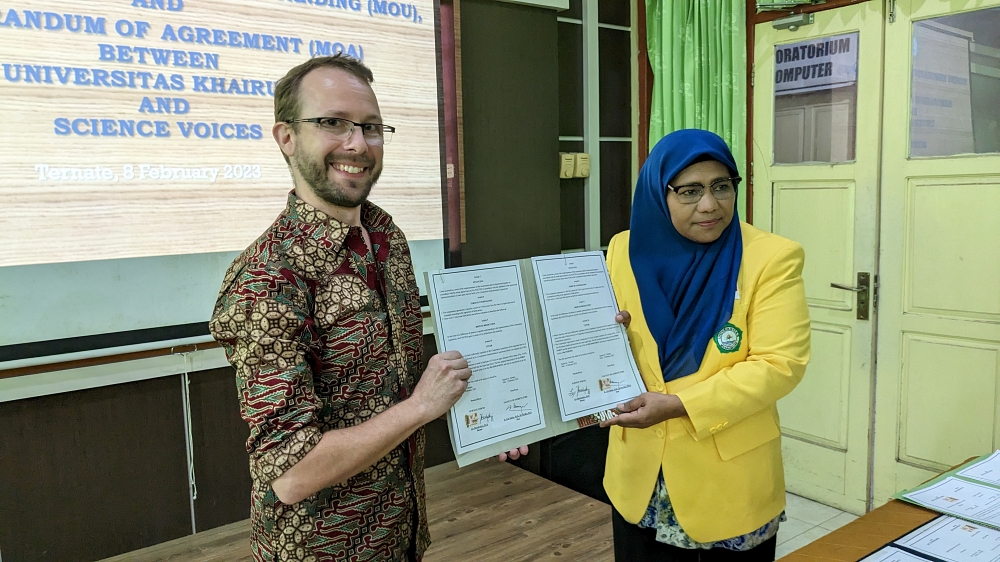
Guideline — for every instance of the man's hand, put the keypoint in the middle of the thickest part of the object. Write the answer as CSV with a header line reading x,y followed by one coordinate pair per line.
x,y
647,409
623,318
442,384
514,454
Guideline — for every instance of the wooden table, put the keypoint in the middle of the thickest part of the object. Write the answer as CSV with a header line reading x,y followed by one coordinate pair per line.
x,y
488,511
865,534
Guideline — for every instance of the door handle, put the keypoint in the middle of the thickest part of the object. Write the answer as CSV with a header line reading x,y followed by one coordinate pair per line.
x,y
863,291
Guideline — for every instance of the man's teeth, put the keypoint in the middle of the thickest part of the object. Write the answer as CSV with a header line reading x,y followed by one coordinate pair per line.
x,y
348,169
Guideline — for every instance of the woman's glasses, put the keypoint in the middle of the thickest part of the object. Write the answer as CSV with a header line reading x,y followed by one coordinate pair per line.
x,y
721,189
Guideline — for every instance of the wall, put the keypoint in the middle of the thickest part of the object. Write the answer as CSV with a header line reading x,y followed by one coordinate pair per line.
x,y
94,473
510,106
89,474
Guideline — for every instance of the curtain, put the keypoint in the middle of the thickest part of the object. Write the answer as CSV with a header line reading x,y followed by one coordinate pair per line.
x,y
697,50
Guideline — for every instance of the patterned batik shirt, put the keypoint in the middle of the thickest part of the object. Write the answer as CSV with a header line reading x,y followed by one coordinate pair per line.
x,y
325,335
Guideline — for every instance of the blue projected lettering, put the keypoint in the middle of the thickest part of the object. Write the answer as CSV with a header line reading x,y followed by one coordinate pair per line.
x,y
174,47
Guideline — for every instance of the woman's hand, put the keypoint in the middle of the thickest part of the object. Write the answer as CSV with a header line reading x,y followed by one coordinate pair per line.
x,y
623,318
647,409
514,454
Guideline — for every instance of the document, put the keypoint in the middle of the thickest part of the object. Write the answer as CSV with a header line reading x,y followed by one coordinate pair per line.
x,y
480,312
954,540
987,470
590,355
546,354
960,498
892,554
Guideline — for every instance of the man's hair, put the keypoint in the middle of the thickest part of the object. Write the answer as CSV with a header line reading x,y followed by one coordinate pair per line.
x,y
286,92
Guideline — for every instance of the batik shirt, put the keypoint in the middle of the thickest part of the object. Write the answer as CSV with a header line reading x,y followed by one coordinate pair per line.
x,y
325,335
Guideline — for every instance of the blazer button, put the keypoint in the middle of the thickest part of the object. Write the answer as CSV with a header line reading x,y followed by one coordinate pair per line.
x,y
659,433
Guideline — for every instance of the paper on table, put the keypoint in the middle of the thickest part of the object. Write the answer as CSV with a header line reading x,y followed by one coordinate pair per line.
x,y
954,540
591,359
481,312
986,470
961,498
892,554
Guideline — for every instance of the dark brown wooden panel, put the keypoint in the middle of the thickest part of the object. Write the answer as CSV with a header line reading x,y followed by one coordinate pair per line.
x,y
615,12
90,474
576,460
575,10
570,79
221,463
616,82
616,188
510,101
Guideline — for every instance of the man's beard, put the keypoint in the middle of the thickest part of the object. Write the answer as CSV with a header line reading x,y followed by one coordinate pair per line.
x,y
317,177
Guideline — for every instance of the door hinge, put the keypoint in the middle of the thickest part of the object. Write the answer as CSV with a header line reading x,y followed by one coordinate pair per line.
x,y
875,296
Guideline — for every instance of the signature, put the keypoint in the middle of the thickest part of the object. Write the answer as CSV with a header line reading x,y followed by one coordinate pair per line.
x,y
521,410
580,392
486,418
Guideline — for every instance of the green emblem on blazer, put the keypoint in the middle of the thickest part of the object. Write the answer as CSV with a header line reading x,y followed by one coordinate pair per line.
x,y
728,338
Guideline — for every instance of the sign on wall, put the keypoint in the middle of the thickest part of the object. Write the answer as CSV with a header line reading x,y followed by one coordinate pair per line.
x,y
817,64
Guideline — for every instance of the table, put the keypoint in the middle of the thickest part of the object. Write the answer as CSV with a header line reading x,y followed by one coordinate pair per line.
x,y
487,511
864,535
867,533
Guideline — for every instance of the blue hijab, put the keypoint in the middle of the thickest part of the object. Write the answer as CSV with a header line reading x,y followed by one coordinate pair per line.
x,y
687,288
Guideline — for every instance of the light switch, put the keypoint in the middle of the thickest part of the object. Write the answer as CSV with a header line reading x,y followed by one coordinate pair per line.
x,y
567,165
581,165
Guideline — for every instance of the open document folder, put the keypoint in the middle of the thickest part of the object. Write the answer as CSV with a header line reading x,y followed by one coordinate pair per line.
x,y
970,492
546,354
944,539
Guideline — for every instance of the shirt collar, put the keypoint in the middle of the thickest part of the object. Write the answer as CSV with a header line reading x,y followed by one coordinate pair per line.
x,y
373,218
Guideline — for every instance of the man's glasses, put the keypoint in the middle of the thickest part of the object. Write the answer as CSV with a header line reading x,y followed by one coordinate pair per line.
x,y
342,129
721,189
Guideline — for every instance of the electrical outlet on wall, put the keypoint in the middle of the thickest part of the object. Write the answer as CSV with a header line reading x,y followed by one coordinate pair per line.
x,y
567,164
581,165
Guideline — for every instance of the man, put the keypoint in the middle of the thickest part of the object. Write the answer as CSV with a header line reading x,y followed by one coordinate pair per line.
x,y
321,319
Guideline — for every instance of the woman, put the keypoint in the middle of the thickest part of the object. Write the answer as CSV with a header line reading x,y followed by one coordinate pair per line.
x,y
720,331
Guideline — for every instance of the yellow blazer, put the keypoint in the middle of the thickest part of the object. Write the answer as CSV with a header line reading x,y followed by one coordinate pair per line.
x,y
721,462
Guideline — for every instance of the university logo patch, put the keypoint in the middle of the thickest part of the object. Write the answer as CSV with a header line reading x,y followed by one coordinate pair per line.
x,y
728,338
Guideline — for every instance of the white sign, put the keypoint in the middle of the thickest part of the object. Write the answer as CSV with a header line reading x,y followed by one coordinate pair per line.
x,y
817,64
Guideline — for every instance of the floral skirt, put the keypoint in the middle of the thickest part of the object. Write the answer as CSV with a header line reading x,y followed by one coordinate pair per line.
x,y
661,517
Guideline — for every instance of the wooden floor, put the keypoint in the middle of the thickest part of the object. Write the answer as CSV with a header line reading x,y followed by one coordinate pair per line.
x,y
488,511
